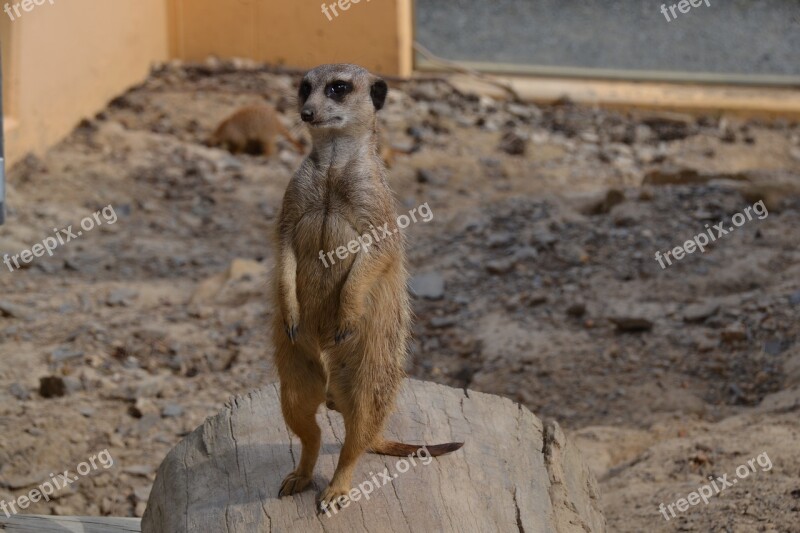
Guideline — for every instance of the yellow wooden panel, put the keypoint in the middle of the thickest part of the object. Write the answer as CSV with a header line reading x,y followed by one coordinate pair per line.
x,y
70,58
376,34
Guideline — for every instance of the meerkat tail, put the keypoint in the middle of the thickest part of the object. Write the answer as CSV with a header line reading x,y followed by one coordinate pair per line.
x,y
401,449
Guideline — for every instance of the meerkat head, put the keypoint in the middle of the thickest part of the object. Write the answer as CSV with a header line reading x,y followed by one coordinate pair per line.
x,y
341,98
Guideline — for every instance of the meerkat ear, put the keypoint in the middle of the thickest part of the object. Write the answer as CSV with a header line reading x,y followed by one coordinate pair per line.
x,y
378,93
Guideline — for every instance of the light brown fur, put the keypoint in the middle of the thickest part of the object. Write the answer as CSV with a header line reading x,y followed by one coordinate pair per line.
x,y
342,330
252,130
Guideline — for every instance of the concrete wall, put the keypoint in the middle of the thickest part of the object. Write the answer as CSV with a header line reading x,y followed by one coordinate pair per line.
x,y
377,34
67,59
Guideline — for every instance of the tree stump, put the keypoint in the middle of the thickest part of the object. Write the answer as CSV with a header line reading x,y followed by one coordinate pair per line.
x,y
513,473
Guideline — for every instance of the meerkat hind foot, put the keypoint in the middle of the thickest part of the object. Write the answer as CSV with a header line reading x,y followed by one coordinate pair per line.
x,y
331,498
294,483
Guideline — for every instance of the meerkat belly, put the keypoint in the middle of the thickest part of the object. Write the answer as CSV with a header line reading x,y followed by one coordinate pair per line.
x,y
325,254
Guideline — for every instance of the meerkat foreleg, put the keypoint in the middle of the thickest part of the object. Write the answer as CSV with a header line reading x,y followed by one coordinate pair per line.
x,y
290,307
365,270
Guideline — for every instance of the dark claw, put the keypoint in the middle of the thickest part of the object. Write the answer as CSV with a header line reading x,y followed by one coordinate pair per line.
x,y
291,332
341,335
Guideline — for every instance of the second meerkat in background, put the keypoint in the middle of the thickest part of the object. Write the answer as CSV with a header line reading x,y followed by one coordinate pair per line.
x,y
341,330
252,130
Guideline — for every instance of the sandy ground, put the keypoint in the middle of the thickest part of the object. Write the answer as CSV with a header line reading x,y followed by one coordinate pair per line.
x,y
535,280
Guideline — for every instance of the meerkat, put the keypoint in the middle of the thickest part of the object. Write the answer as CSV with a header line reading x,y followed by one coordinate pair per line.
x,y
342,329
252,130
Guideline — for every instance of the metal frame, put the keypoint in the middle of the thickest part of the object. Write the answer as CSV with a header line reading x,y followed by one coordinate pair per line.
x,y
707,78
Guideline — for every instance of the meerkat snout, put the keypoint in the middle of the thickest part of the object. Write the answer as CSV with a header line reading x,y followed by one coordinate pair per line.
x,y
333,97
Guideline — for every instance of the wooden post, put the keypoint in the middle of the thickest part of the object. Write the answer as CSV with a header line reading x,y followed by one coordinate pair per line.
x,y
513,474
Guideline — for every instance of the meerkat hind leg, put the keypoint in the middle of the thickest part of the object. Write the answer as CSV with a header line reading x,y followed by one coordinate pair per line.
x,y
302,391
364,418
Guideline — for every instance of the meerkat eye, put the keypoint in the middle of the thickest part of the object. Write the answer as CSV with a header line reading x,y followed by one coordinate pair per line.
x,y
338,89
305,90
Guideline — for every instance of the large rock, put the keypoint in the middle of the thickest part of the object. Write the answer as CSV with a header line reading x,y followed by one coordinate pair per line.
x,y
513,474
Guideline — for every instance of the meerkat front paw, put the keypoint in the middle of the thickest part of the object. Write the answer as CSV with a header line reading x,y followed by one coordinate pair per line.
x,y
291,322
293,483
347,325
341,334
332,498
291,330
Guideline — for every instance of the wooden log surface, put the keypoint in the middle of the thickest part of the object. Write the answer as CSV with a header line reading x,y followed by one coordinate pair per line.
x,y
513,473
67,524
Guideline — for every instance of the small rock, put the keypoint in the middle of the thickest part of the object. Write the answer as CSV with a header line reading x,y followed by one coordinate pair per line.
x,y
500,266
598,203
19,392
705,343
525,112
794,299
632,323
576,310
172,410
513,144
64,354
267,210
72,384
734,332
524,253
86,411
699,311
52,387
670,126
142,493
228,162
429,285
737,394
543,237
175,362
432,177
536,298
499,239
213,286
138,470
672,175
7,309
142,407
626,215
122,297
776,346
728,135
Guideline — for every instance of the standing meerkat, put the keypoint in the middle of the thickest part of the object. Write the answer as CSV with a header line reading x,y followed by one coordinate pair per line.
x,y
252,130
342,329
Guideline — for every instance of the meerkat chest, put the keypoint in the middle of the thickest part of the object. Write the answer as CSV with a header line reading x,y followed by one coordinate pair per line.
x,y
327,225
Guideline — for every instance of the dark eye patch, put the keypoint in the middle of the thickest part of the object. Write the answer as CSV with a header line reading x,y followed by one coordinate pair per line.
x,y
305,90
338,89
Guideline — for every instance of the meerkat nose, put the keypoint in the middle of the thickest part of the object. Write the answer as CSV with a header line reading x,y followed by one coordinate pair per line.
x,y
307,115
